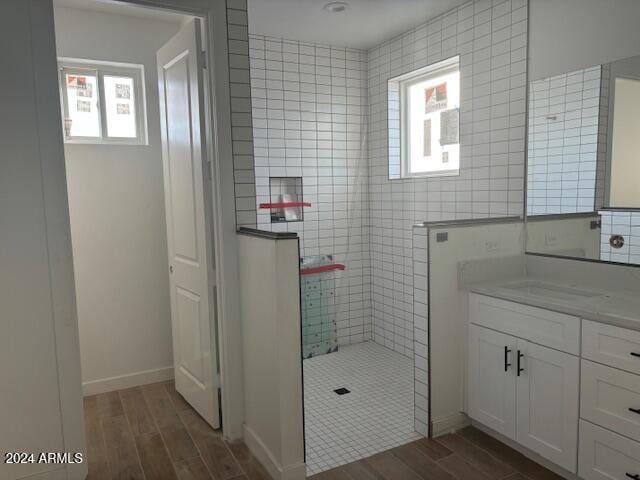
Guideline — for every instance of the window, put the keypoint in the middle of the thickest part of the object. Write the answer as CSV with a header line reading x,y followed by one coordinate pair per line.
x,y
424,121
102,102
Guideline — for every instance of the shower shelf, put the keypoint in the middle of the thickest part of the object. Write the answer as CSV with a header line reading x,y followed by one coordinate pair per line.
x,y
321,269
284,205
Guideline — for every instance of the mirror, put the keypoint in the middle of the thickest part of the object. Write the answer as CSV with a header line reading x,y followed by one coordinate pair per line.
x,y
583,168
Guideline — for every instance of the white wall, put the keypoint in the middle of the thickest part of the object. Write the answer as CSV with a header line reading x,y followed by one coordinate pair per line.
x,y
625,168
566,35
570,236
448,310
116,202
40,401
274,423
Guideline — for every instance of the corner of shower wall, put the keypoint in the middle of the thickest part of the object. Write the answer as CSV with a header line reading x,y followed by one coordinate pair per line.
x,y
241,127
491,39
309,115
421,328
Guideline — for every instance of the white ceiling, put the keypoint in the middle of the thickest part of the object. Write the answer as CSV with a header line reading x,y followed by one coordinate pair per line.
x,y
364,24
106,6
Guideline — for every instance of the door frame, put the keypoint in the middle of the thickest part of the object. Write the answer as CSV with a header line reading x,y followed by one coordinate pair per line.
x,y
219,151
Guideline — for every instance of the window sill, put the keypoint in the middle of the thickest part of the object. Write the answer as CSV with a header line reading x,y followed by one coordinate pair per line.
x,y
122,143
448,173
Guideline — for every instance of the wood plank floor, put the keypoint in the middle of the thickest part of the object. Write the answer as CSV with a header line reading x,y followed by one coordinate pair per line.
x,y
151,433
467,455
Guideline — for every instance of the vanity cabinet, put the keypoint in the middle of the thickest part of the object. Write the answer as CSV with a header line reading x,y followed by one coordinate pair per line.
x,y
611,345
605,455
492,382
548,390
565,388
610,403
524,390
611,398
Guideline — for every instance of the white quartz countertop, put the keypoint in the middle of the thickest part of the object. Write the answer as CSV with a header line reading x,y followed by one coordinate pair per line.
x,y
616,308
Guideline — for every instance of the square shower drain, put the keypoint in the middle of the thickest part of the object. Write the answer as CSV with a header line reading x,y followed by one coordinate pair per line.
x,y
342,391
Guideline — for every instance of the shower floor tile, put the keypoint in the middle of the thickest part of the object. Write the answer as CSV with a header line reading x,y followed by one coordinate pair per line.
x,y
376,414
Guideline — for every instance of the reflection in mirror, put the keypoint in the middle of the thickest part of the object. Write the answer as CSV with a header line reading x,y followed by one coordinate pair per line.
x,y
583,170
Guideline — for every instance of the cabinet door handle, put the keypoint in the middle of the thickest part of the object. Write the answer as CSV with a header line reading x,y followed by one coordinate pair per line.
x,y
520,355
635,410
507,351
634,477
634,354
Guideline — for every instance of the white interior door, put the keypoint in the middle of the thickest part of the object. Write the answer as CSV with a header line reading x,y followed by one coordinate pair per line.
x,y
188,210
492,380
548,392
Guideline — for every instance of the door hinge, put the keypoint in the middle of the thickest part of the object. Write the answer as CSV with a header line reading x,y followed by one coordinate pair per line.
x,y
209,167
204,59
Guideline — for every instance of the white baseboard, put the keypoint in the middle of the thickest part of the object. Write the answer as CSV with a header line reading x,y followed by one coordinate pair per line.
x,y
127,381
266,458
448,424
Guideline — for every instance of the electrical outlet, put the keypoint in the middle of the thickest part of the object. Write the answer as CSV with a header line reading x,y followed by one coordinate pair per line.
x,y
492,246
550,239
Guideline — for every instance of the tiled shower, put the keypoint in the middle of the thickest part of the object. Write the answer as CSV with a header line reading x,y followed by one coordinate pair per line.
x,y
309,112
319,114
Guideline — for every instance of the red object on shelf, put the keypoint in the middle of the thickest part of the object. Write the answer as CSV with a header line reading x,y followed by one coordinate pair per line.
x,y
321,269
285,205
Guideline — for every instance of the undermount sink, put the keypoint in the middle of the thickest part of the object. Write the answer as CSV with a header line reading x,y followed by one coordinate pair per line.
x,y
541,289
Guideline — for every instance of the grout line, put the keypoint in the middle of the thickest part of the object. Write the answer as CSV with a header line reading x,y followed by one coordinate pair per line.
x,y
200,456
155,422
133,437
470,461
517,470
236,459
413,469
104,438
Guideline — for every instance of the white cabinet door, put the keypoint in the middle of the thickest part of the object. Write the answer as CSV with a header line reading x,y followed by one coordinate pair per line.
x,y
611,398
492,380
605,455
611,345
548,392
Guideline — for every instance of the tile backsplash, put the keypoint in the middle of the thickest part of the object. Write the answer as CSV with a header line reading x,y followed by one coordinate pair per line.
x,y
626,224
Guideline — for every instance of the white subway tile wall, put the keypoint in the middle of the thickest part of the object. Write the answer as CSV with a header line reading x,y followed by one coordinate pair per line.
x,y
309,114
491,39
622,223
320,112
421,328
565,141
241,131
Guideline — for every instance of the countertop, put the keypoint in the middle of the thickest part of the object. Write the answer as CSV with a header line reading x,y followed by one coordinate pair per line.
x,y
615,308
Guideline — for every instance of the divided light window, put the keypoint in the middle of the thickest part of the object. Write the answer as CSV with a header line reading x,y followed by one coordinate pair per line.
x,y
102,102
430,120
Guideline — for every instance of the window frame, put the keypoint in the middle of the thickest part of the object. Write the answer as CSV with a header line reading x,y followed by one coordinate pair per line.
x,y
405,82
101,69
